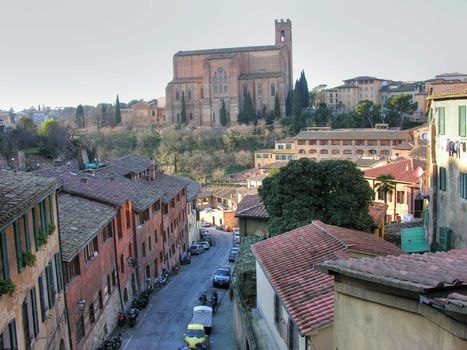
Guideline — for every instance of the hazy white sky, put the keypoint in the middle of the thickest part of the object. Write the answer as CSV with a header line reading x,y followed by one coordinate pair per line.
x,y
63,53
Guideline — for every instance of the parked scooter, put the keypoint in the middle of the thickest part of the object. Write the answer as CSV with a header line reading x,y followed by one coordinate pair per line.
x,y
149,286
203,298
185,258
109,344
140,303
162,279
214,299
121,318
132,316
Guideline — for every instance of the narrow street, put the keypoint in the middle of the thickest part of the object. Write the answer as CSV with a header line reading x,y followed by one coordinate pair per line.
x,y
162,324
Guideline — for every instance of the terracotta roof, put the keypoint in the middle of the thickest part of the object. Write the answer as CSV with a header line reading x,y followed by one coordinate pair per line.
x,y
353,134
449,94
366,162
275,151
251,207
169,185
288,139
227,50
193,188
259,177
404,146
80,221
418,152
133,163
413,272
288,261
19,191
92,187
402,171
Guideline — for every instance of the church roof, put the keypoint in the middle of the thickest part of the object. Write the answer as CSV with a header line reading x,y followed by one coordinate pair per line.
x,y
227,50
258,75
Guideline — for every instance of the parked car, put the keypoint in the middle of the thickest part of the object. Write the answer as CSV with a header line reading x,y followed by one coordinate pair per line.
x,y
208,238
221,277
195,336
227,228
233,253
236,244
204,244
218,227
196,249
203,231
205,224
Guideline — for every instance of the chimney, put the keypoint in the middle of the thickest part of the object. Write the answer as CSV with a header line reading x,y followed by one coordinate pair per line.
x,y
152,171
84,179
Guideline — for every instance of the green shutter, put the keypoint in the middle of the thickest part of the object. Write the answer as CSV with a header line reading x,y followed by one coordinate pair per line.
x,y
463,185
441,121
4,250
430,115
51,209
442,179
27,239
42,297
19,249
49,283
58,268
43,217
35,228
462,121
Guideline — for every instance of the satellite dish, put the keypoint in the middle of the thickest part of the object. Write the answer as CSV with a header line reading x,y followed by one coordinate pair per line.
x,y
425,136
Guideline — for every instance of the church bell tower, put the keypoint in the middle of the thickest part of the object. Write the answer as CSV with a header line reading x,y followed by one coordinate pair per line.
x,y
284,41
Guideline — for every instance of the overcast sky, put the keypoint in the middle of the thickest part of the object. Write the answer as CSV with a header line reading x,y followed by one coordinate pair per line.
x,y
63,53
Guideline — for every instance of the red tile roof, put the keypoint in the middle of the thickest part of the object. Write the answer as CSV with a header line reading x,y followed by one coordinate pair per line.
x,y
288,262
402,170
251,207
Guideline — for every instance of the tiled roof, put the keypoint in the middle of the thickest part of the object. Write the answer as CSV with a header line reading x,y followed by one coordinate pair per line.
x,y
353,134
169,185
288,261
366,162
230,193
289,139
80,221
404,146
133,163
227,50
413,272
19,191
363,77
275,151
402,171
449,94
418,152
251,207
193,188
92,187
259,177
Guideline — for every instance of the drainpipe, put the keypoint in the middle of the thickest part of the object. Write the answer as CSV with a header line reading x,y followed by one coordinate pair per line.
x,y
116,265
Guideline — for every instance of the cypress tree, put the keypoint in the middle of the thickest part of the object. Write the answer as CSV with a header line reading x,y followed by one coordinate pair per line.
x,y
248,113
118,113
223,114
298,121
304,90
288,103
79,120
277,108
183,111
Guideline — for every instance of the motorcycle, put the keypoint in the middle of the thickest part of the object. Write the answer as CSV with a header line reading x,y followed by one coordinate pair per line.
x,y
132,316
214,299
203,298
121,318
109,344
139,303
185,258
149,286
162,280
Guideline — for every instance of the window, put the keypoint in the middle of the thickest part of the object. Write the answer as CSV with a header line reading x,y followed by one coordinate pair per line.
x,y
106,233
462,121
323,151
91,250
347,142
400,197
312,151
177,95
273,90
58,270
277,310
442,179
189,94
44,223
35,228
347,151
122,264
18,247
463,185
201,90
144,249
109,288
293,336
150,248
359,151
441,121
280,146
259,89
79,329
114,278
153,113
288,146
42,298
5,268
301,151
92,316
71,269
101,300
312,142
8,339
50,276
390,196
335,142
146,215
335,151
359,142
265,155
119,225
323,142
372,142
128,218
51,210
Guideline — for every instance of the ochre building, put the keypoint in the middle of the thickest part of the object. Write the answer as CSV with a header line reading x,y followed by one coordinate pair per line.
x,y
203,78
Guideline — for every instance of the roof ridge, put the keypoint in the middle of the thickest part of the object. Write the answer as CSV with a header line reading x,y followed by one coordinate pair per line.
x,y
329,233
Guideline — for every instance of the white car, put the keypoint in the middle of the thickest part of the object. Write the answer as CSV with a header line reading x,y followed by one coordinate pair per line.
x,y
204,244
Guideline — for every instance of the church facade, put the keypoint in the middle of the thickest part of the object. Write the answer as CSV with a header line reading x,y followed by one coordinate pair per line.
x,y
205,78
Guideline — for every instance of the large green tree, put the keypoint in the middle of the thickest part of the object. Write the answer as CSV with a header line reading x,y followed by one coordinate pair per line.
x,y
118,113
322,116
333,191
248,111
305,94
400,107
369,113
223,114
183,110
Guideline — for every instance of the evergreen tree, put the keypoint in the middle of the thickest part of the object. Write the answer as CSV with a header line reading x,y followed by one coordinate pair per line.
x,y
277,108
304,90
223,114
298,121
80,122
12,115
288,103
248,112
118,113
183,111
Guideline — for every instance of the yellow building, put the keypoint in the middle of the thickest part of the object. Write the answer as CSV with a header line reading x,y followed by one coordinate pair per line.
x,y
33,314
414,301
284,150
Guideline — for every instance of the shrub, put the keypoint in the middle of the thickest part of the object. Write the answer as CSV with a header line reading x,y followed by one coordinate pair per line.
x,y
51,228
7,287
42,238
29,259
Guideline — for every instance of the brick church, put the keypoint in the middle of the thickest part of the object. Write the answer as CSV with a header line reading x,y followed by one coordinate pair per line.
x,y
206,77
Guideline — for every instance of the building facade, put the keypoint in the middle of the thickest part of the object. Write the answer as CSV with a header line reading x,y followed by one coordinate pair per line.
x,y
32,302
204,78
284,150
144,115
447,159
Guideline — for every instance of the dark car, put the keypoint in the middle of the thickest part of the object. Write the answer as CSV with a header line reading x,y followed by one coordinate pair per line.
x,y
233,253
208,238
221,277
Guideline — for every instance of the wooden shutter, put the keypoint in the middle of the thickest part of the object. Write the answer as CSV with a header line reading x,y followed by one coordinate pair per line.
x,y
462,121
35,228
4,251
442,179
27,239
43,218
50,285
19,249
40,282
58,268
35,319
441,121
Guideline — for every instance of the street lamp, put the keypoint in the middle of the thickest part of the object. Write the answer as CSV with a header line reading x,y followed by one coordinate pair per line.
x,y
81,304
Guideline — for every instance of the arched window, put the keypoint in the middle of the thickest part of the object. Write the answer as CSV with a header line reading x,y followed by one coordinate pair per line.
x,y
347,151
301,151
312,151
359,151
225,89
282,36
259,89
323,151
177,95
385,152
201,90
335,151
189,93
273,89
245,89
372,151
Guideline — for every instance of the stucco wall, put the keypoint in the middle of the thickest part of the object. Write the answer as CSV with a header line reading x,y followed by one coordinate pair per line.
x,y
253,227
361,324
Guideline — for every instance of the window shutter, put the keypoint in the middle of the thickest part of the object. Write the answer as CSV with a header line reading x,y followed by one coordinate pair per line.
x,y
4,250
51,209
19,251
34,311
42,297
462,121
27,239
442,179
43,217
441,120
35,228
50,285
58,268
12,333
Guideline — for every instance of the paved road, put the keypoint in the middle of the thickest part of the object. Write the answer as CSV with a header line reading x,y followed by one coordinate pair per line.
x,y
162,324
